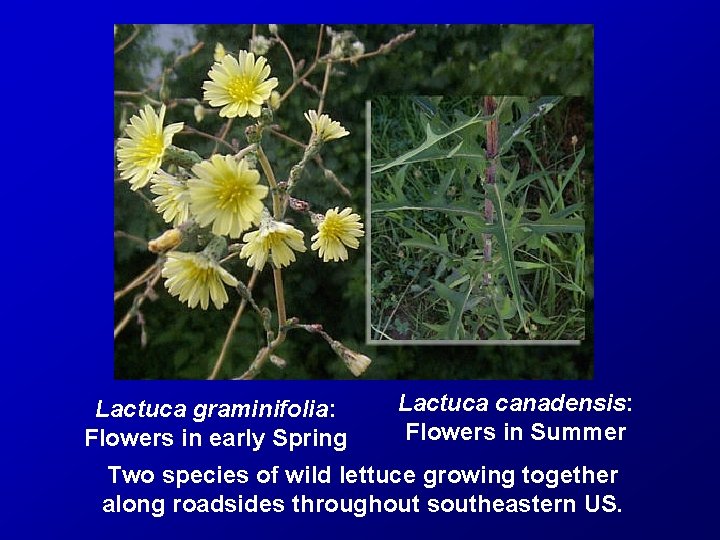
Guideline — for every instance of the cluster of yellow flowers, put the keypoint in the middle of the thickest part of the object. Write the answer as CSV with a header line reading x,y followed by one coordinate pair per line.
x,y
224,193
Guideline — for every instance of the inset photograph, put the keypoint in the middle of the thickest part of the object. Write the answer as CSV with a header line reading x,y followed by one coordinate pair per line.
x,y
478,219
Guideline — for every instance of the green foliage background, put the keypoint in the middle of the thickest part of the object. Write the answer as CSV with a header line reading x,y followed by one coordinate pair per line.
x,y
460,60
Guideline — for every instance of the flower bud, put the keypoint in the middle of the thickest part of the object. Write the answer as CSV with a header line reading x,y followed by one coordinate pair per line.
x,y
279,362
164,92
199,112
357,48
316,219
219,52
166,241
274,100
273,29
298,205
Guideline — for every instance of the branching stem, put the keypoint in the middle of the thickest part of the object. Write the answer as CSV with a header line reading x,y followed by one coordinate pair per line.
x,y
326,82
231,330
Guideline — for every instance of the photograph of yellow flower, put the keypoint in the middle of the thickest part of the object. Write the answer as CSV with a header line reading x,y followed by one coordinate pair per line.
x,y
241,184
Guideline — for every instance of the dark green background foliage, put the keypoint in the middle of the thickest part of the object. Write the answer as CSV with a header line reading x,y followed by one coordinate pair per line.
x,y
460,60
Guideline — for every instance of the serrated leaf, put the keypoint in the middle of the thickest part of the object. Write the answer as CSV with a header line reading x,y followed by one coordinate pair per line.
x,y
427,152
552,225
448,209
568,177
539,107
539,226
503,235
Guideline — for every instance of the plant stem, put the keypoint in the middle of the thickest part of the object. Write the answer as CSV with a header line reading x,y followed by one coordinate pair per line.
x,y
319,42
231,330
223,133
326,82
278,209
192,131
492,136
270,175
135,32
279,299
383,49
138,302
136,282
308,71
262,356
279,40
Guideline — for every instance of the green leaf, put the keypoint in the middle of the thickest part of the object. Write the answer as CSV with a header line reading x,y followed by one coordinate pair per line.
x,y
426,152
568,177
439,329
444,186
504,238
456,208
501,333
552,225
539,318
540,226
539,107
527,265
506,309
456,303
569,210
419,244
397,181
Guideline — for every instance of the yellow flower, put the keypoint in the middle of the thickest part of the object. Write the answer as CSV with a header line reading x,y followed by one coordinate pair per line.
x,y
335,231
325,128
275,240
196,278
239,86
219,52
173,200
227,194
141,155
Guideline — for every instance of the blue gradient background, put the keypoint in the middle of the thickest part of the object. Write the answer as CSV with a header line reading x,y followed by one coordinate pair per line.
x,y
655,299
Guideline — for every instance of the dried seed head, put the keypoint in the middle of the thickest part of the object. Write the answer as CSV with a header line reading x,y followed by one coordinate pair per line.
x,y
357,363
